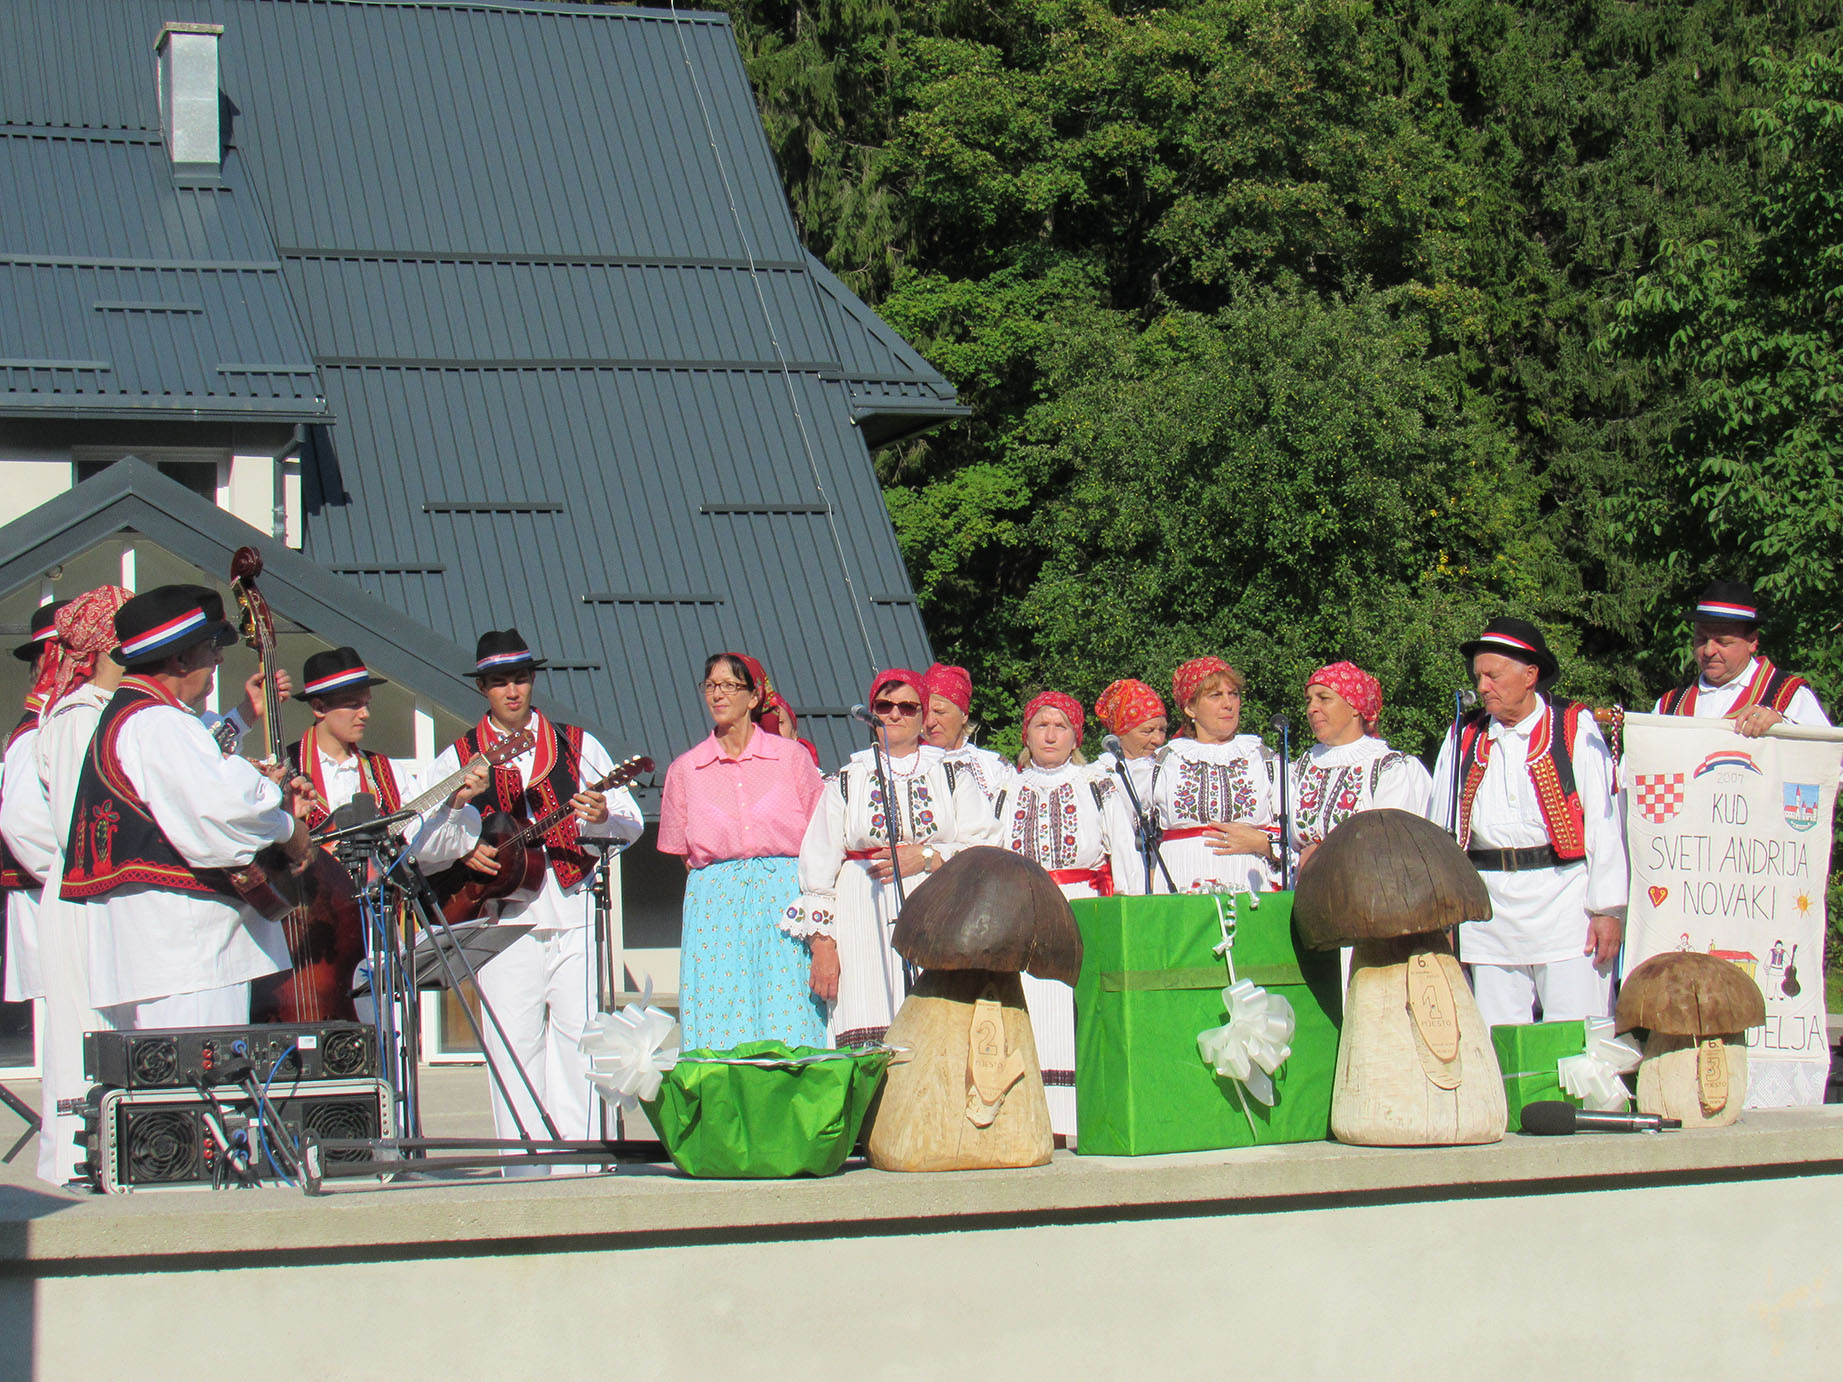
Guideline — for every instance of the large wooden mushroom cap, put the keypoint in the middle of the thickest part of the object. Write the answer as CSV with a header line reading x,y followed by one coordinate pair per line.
x,y
1382,874
1685,993
988,908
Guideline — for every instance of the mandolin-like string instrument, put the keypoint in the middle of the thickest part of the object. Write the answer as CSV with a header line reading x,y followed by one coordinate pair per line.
x,y
464,892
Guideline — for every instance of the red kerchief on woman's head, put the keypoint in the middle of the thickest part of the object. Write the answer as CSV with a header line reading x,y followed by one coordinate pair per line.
x,y
951,682
890,677
85,630
1355,685
1186,680
1055,700
778,716
757,673
1126,705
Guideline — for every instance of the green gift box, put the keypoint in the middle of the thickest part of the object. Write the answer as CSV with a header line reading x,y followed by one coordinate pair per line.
x,y
1528,1055
765,1109
1150,983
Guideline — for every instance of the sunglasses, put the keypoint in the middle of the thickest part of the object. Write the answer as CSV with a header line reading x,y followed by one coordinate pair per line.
x,y
902,708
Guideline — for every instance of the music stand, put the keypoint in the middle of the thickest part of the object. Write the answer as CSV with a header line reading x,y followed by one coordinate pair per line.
x,y
433,957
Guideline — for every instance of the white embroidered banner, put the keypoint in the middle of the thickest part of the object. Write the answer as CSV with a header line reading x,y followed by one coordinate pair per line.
x,y
1730,851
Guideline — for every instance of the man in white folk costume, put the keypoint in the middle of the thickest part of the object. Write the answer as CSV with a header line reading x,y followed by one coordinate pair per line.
x,y
161,816
1735,681
541,987
1537,817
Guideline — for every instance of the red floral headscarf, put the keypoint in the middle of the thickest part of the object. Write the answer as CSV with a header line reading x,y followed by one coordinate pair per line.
x,y
1186,680
1055,700
890,676
1126,705
951,682
85,630
1355,685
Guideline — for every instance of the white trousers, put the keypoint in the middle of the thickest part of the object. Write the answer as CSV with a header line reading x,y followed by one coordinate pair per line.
x,y
1569,990
538,987
225,1007
64,962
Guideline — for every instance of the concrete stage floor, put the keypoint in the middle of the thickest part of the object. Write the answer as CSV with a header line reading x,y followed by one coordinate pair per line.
x,y
1712,1253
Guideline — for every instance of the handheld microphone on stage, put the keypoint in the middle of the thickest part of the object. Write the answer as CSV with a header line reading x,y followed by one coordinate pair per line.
x,y
861,713
1557,1118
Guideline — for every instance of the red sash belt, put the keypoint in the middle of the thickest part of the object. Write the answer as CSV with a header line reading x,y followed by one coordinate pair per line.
x,y
1101,879
1187,832
864,856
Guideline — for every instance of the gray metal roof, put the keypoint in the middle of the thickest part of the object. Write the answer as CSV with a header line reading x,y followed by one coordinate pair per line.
x,y
133,497
123,292
585,374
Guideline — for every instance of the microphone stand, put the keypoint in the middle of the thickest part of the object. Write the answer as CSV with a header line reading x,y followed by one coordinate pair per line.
x,y
1285,726
879,756
1151,836
1452,803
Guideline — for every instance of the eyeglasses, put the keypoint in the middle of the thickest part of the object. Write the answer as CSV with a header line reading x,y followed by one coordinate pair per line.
x,y
722,688
906,709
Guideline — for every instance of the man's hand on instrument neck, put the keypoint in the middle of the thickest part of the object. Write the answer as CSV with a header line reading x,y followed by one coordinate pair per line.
x,y
250,711
590,807
476,783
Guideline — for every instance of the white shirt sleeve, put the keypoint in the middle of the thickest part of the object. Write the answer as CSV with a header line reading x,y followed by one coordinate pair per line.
x,y
215,809
1440,794
1607,873
625,823
25,815
1404,785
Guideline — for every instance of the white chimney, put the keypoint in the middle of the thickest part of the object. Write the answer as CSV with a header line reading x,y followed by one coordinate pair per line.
x,y
186,73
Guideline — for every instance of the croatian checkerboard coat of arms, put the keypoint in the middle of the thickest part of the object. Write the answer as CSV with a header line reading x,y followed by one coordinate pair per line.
x,y
1658,796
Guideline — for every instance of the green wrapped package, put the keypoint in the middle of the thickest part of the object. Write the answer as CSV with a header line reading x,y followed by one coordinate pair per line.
x,y
764,1109
1150,983
1528,1054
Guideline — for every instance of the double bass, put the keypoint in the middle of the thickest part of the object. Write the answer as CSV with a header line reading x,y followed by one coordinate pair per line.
x,y
315,902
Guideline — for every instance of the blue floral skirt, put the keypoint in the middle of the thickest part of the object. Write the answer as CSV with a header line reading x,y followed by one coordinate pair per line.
x,y
742,978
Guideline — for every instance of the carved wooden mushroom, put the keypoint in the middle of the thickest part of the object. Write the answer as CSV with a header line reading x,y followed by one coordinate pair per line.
x,y
970,1095
1695,1010
1415,1065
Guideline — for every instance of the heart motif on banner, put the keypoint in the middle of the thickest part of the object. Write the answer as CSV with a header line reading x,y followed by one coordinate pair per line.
x,y
1658,895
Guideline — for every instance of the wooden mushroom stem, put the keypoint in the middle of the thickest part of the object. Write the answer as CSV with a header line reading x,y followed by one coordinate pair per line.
x,y
1702,1081
1415,1065
969,1092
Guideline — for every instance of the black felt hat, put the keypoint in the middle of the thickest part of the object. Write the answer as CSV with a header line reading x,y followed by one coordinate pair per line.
x,y
1729,602
336,670
42,631
168,619
503,650
1516,638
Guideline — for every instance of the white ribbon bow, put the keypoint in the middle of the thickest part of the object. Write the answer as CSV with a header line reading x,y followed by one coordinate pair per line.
x,y
1254,1042
1593,1076
631,1051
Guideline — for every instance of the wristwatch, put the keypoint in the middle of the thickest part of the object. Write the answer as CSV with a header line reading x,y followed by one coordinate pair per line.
x,y
929,858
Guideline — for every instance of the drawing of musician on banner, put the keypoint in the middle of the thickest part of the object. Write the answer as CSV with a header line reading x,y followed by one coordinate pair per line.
x,y
1730,853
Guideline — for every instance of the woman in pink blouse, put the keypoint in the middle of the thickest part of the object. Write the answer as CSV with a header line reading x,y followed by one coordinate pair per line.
x,y
736,807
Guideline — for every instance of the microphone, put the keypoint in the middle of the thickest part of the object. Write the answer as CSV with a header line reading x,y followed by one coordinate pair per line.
x,y
1558,1118
361,810
1280,724
1112,744
1468,698
862,715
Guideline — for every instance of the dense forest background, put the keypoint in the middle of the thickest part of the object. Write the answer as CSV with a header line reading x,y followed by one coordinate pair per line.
x,y
1305,329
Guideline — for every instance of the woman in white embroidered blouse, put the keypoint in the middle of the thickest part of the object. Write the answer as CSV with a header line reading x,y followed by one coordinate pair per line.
x,y
1349,769
847,887
1073,820
1215,793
